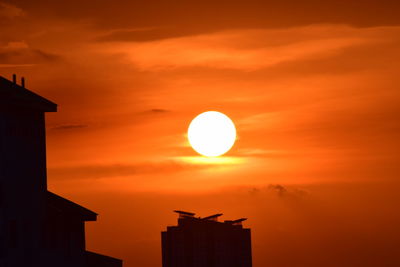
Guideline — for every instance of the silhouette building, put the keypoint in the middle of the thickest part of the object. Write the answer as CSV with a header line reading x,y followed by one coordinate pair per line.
x,y
206,242
37,227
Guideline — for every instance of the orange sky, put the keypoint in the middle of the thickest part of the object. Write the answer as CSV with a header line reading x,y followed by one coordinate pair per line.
x,y
313,89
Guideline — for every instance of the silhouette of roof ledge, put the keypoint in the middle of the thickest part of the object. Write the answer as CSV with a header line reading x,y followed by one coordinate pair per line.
x,y
14,96
212,217
96,259
66,206
184,213
235,222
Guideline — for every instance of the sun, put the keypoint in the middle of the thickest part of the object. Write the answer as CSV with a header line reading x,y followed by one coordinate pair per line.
x,y
212,133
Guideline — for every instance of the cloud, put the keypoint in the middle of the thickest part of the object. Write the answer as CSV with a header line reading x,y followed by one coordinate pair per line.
x,y
69,126
16,65
142,35
19,53
279,190
247,50
120,170
264,153
189,16
158,110
153,111
10,11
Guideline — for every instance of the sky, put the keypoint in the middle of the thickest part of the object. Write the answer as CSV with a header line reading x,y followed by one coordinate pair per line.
x,y
312,87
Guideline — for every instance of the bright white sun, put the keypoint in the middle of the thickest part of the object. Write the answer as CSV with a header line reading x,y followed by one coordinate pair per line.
x,y
212,133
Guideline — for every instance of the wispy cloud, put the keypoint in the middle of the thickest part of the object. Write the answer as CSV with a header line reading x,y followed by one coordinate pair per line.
x,y
141,34
20,53
10,11
245,49
97,171
69,126
158,110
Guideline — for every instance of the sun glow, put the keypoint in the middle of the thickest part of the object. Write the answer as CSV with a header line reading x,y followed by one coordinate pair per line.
x,y
212,134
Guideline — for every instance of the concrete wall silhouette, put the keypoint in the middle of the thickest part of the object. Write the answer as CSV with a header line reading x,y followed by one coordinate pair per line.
x,y
22,180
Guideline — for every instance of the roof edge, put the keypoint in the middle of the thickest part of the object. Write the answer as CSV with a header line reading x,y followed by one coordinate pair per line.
x,y
15,95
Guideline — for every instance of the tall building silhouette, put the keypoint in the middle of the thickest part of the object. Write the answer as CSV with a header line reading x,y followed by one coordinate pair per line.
x,y
206,242
37,227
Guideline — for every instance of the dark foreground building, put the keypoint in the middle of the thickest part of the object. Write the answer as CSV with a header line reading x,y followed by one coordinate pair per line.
x,y
37,228
205,242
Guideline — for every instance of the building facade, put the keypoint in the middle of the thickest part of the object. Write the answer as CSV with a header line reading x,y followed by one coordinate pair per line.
x,y
37,227
206,242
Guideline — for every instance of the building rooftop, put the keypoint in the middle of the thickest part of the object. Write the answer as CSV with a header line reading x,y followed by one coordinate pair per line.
x,y
185,215
14,95
66,206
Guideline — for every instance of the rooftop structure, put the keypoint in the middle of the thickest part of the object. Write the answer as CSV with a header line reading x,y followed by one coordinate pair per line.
x,y
206,242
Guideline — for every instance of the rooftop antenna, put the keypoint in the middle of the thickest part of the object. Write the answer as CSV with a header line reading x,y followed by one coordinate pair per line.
x,y
23,82
14,78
